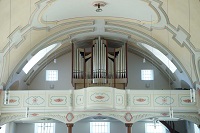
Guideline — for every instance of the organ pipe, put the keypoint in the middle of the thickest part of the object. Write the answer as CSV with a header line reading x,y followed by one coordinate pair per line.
x,y
94,61
77,63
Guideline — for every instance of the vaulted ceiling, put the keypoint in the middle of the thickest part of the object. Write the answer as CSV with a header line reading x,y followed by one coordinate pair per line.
x,y
173,27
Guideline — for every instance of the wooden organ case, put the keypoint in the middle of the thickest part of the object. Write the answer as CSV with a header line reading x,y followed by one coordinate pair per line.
x,y
99,64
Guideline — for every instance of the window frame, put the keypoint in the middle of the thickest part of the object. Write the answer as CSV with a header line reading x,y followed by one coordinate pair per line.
x,y
148,76
52,78
96,127
39,126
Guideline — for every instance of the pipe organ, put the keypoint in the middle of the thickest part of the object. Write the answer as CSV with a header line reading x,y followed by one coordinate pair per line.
x,y
99,64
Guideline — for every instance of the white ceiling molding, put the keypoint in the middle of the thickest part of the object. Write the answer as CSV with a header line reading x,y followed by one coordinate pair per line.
x,y
58,6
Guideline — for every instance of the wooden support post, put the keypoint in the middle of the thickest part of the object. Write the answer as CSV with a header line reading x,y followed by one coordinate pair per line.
x,y
129,126
69,125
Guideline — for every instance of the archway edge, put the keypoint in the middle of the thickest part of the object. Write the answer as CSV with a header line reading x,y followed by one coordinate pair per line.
x,y
125,117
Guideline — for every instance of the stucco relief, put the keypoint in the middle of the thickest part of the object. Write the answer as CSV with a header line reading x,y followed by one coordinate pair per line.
x,y
141,100
69,117
99,97
79,100
6,118
58,100
35,101
185,101
119,100
128,117
14,101
164,100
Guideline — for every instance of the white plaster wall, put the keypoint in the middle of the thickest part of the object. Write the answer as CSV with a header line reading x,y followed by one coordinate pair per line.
x,y
135,64
138,127
61,128
63,65
24,128
81,127
117,127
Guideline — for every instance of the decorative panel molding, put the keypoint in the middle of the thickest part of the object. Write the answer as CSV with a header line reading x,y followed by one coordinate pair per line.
x,y
120,99
34,100
79,99
184,100
99,98
58,100
14,101
143,100
164,100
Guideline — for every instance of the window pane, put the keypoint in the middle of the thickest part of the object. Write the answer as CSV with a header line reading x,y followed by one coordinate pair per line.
x,y
44,127
3,129
147,75
99,127
196,129
51,75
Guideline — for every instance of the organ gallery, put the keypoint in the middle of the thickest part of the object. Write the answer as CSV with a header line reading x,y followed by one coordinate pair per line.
x,y
99,64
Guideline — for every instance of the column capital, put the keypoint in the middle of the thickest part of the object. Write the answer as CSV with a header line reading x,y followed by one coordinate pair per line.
x,y
70,124
128,124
